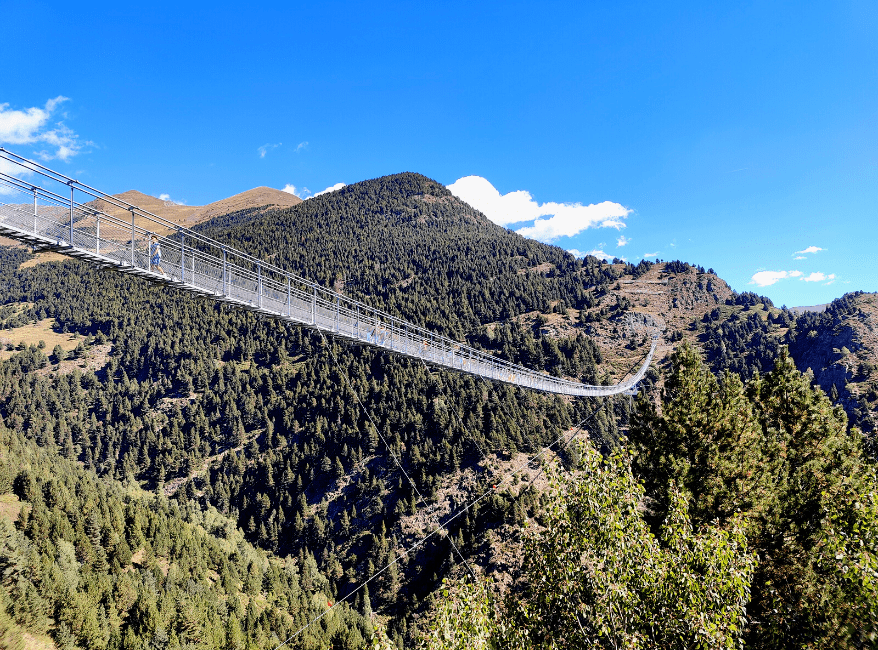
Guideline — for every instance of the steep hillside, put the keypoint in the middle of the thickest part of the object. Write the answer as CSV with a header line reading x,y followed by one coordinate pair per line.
x,y
290,435
840,347
99,564
262,420
404,243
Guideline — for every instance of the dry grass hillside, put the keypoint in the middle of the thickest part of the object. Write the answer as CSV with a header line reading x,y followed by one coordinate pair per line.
x,y
840,351
257,197
621,318
191,215
265,198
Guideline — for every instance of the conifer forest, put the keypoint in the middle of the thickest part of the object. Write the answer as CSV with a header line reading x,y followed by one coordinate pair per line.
x,y
176,473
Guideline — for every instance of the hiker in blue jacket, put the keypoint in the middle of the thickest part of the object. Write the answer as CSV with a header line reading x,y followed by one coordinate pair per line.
x,y
155,256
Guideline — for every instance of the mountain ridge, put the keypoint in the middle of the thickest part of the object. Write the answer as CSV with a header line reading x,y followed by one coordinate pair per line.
x,y
278,429
190,215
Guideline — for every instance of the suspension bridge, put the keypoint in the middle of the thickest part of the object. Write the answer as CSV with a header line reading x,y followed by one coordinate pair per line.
x,y
39,207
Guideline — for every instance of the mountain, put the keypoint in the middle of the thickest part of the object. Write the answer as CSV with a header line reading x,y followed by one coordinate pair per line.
x,y
266,198
252,202
840,347
404,242
812,308
93,564
289,435
263,198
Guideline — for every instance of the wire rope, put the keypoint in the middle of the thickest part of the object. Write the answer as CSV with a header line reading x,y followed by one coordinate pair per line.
x,y
390,450
443,526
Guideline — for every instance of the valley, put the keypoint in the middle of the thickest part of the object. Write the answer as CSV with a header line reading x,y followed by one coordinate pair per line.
x,y
263,444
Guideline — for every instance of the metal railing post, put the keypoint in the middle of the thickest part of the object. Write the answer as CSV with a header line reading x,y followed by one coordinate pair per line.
x,y
314,307
132,237
225,273
35,209
259,285
97,233
182,256
289,297
71,214
337,305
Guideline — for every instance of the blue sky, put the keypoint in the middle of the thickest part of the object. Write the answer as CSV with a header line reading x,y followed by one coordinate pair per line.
x,y
738,136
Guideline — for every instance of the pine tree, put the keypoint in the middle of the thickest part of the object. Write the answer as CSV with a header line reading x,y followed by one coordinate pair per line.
x,y
706,439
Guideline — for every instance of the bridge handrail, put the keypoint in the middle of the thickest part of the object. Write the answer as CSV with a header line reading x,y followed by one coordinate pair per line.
x,y
262,282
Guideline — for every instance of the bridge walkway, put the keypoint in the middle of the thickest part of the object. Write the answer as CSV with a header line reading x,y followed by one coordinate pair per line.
x,y
48,220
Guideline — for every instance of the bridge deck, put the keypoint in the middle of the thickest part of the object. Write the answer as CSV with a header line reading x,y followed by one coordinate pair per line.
x,y
205,267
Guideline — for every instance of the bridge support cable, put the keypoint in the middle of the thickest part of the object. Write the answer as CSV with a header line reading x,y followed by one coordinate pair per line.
x,y
401,554
457,417
50,218
451,518
392,453
538,458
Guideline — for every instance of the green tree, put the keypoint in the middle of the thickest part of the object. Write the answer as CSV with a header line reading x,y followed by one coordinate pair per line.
x,y
707,440
816,464
779,453
596,576
11,637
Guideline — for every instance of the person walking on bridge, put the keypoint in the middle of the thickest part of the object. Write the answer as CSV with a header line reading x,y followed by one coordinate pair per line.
x,y
155,256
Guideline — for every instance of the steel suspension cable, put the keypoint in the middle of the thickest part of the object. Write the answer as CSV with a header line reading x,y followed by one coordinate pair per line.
x,y
368,414
443,526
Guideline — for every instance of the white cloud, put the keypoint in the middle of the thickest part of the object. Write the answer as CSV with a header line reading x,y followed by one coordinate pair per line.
x,y
331,188
565,219
601,255
301,145
295,191
167,199
264,149
32,126
819,277
645,255
7,167
810,249
11,169
305,193
768,278
800,257
623,241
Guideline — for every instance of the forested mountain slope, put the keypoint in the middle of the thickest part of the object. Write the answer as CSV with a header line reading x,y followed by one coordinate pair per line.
x,y
407,245
96,564
260,420
282,431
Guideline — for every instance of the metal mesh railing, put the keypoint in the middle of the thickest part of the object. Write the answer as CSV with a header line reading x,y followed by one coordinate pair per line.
x,y
44,217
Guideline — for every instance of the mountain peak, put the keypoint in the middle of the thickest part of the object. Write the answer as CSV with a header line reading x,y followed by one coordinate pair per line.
x,y
190,215
257,197
403,185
